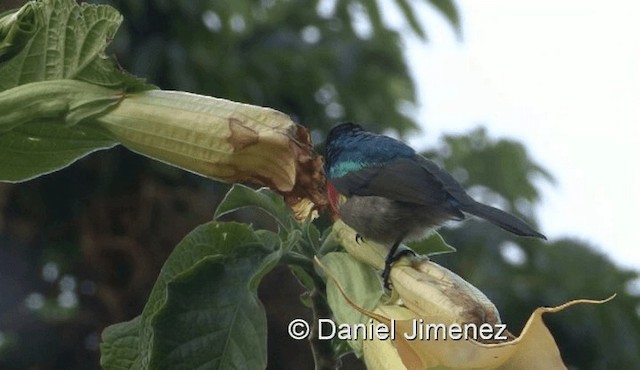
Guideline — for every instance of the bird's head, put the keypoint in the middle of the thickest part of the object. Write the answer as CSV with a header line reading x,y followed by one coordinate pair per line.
x,y
349,148
341,130
338,139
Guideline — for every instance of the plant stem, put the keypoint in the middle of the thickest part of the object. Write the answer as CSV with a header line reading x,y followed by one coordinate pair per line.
x,y
293,258
324,355
328,245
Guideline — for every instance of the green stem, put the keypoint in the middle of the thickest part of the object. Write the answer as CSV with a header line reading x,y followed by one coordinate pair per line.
x,y
328,245
293,258
324,355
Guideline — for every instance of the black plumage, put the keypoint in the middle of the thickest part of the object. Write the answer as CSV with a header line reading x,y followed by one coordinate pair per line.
x,y
394,194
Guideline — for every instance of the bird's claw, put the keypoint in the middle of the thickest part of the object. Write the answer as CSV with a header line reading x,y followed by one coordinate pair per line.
x,y
390,260
385,275
359,238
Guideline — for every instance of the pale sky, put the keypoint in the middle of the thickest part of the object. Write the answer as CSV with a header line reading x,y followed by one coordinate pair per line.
x,y
563,77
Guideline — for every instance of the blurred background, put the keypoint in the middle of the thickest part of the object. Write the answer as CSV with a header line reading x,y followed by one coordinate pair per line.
x,y
531,105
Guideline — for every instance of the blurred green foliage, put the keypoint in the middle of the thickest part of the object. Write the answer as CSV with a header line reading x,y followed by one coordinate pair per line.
x,y
520,274
319,61
99,231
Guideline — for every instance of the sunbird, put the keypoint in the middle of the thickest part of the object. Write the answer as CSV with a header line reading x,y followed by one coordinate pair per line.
x,y
394,194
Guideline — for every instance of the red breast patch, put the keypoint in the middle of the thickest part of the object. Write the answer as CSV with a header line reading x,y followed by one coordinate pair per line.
x,y
333,195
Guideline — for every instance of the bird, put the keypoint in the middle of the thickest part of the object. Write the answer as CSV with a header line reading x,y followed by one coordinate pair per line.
x,y
394,194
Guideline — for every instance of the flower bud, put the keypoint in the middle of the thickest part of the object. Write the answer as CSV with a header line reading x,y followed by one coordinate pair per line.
x,y
224,140
429,289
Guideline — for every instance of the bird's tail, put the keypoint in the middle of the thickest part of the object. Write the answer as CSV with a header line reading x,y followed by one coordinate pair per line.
x,y
502,219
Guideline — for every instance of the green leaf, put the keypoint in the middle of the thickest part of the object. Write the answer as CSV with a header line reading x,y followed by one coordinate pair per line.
x,y
327,242
58,103
203,310
431,245
270,240
41,130
449,10
409,14
46,49
241,196
35,150
16,27
119,347
211,239
305,279
59,39
362,285
311,235
373,12
211,319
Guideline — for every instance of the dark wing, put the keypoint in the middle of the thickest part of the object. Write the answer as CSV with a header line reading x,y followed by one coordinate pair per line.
x,y
420,181
414,180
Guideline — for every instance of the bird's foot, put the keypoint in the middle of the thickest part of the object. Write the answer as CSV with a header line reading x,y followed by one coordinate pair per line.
x,y
359,238
390,260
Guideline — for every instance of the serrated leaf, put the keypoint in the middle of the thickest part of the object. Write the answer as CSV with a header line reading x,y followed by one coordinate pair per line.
x,y
361,284
241,196
431,245
202,303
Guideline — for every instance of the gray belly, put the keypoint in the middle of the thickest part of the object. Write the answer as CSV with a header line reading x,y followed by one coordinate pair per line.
x,y
387,221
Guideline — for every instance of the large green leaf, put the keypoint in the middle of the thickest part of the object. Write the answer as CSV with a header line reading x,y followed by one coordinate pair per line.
x,y
46,49
41,130
431,245
203,311
211,319
241,196
59,39
120,343
36,149
362,285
